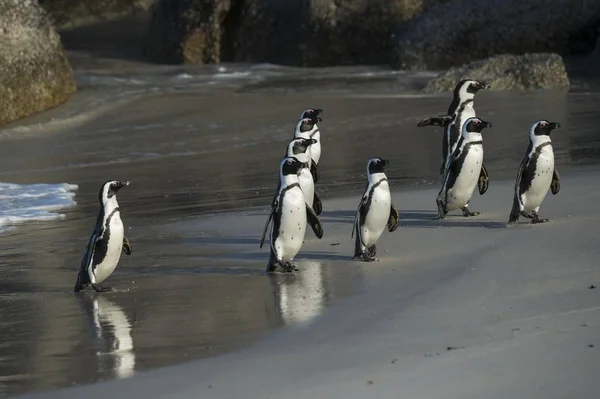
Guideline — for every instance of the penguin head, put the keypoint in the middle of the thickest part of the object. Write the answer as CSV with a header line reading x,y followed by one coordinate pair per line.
x,y
475,125
543,128
466,88
312,113
299,146
292,166
110,188
377,165
305,125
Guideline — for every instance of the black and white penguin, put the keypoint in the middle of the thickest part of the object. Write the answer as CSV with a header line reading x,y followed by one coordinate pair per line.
x,y
307,128
107,241
374,212
463,171
315,115
289,213
461,109
300,148
536,174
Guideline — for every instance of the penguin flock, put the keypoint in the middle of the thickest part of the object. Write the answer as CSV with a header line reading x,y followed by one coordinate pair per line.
x,y
297,203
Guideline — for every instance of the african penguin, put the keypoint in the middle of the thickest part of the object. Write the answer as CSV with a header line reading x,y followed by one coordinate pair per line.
x,y
463,171
289,213
374,212
106,242
299,148
315,150
459,111
536,174
306,128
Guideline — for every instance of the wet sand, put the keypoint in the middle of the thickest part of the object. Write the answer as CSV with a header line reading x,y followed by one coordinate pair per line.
x,y
203,161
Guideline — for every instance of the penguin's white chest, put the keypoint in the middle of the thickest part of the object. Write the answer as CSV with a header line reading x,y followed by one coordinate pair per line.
x,y
113,249
292,226
466,180
542,178
307,185
377,215
315,149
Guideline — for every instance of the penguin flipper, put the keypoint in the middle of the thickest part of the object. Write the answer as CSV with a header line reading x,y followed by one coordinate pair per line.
x,y
314,222
514,212
83,277
440,120
314,171
555,185
394,219
317,204
484,180
127,248
264,233
357,217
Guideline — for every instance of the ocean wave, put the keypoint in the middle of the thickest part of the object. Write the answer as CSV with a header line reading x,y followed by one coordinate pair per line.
x,y
20,203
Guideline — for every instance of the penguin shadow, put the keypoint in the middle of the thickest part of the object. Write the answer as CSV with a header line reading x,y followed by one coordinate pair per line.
x,y
200,270
337,217
320,255
222,240
429,219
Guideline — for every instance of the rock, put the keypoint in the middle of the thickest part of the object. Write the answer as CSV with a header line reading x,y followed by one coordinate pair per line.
x,y
186,31
508,72
68,14
290,32
34,71
461,31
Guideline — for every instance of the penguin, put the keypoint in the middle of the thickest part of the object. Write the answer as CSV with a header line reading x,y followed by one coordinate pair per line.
x,y
290,214
459,111
315,149
536,174
299,149
463,171
374,212
306,128
106,242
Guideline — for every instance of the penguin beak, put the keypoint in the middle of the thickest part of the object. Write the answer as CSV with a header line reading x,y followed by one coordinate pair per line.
x,y
386,163
123,183
313,141
487,124
554,125
484,85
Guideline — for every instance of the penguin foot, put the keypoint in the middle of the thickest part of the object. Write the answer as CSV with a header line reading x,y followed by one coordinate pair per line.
x,y
372,251
289,267
365,257
99,288
467,213
441,209
536,219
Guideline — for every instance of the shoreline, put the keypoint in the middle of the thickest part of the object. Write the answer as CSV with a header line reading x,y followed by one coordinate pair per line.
x,y
478,300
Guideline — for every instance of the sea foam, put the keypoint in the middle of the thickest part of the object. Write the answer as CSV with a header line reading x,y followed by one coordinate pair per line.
x,y
21,203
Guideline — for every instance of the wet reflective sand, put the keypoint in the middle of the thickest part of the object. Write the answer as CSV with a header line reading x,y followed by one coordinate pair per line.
x,y
194,285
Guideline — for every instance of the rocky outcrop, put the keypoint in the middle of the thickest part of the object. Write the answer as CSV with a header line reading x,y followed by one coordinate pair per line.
x,y
461,31
508,72
68,14
187,31
34,72
290,32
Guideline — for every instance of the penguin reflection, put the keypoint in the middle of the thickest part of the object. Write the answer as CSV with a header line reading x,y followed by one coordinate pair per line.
x,y
113,334
300,297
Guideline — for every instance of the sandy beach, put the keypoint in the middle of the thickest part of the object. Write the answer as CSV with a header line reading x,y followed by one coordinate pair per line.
x,y
459,308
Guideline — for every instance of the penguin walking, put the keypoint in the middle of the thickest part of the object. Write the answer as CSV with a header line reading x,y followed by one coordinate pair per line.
x,y
461,109
106,242
307,128
315,149
375,211
463,171
536,174
299,148
290,214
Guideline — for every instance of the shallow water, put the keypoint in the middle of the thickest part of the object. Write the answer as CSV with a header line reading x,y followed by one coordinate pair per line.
x,y
211,143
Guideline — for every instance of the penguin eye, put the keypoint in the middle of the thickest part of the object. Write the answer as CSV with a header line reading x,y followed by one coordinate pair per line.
x,y
543,124
289,162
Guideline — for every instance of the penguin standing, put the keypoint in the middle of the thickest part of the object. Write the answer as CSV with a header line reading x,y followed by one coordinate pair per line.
x,y
289,213
463,171
106,242
536,174
299,148
315,149
306,128
374,212
459,111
